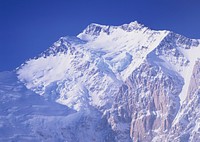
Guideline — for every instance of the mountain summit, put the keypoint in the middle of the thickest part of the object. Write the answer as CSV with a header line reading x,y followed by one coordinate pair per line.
x,y
109,83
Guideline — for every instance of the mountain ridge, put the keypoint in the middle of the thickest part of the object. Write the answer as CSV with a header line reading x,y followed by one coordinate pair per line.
x,y
136,80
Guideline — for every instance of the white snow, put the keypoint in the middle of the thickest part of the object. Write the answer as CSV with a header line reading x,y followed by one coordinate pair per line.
x,y
136,44
43,71
77,98
192,55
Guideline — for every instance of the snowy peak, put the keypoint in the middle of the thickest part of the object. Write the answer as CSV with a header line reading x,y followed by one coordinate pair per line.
x,y
96,65
114,51
116,54
136,77
93,30
132,26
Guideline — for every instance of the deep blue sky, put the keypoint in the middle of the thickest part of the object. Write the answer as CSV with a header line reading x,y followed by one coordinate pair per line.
x,y
28,27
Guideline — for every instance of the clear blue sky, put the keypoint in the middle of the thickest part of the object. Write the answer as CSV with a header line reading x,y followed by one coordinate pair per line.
x,y
28,27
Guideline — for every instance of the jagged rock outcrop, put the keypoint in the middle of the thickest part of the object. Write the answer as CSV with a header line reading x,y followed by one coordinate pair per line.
x,y
148,101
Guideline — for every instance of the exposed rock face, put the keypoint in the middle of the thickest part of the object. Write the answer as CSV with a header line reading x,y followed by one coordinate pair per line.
x,y
148,101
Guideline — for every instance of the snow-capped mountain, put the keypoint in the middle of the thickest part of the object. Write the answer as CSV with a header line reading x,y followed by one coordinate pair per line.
x,y
109,83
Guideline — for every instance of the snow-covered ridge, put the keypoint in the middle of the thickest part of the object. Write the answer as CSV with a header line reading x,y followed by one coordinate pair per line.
x,y
93,30
96,64
113,51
